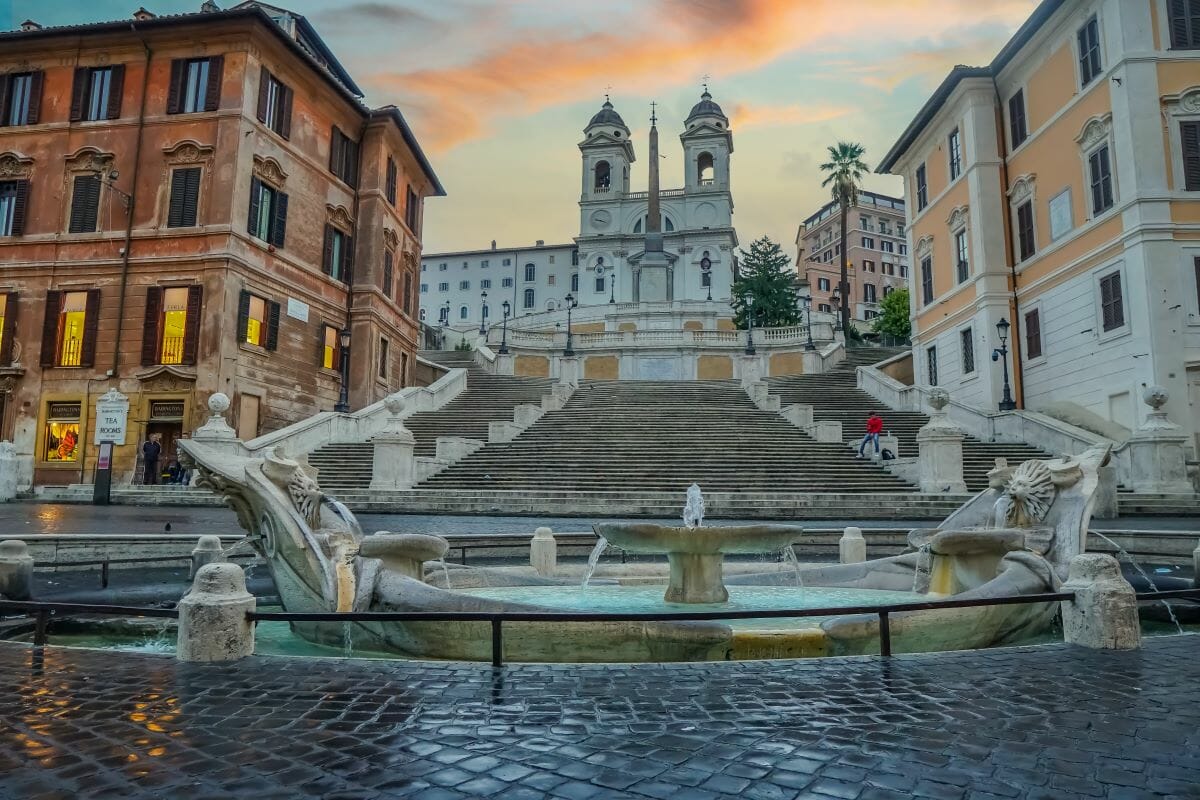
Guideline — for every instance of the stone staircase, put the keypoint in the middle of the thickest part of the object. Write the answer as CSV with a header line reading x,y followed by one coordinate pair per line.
x,y
646,437
835,395
487,397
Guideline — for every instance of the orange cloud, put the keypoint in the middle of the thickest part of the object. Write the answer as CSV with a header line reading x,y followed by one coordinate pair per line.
x,y
746,116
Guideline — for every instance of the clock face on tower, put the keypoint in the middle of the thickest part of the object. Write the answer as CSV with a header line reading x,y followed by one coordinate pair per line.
x,y
601,220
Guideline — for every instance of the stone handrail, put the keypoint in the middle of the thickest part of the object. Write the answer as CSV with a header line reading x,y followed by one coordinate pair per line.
x,y
484,356
328,427
720,340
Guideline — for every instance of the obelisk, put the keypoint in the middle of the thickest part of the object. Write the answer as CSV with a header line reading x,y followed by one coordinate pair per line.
x,y
654,268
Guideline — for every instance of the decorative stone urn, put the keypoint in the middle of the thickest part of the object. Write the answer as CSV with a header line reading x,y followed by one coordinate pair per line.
x,y
1158,450
939,447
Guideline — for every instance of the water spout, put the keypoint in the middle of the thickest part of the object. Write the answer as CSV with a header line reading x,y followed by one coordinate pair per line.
x,y
789,555
1122,552
594,559
693,509
1000,512
445,570
924,556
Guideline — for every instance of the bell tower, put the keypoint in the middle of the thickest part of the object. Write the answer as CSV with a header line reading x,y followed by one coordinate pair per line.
x,y
707,145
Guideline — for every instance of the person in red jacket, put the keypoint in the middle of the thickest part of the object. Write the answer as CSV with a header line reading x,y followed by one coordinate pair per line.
x,y
874,428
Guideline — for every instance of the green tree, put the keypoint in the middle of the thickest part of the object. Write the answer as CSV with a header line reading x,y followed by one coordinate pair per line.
x,y
766,287
844,172
893,319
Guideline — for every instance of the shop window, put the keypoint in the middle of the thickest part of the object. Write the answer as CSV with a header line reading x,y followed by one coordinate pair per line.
x,y
62,432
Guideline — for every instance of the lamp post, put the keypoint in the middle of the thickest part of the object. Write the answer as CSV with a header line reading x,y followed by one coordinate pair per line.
x,y
506,308
612,284
809,345
445,321
571,303
482,313
343,403
837,303
1001,354
706,272
749,301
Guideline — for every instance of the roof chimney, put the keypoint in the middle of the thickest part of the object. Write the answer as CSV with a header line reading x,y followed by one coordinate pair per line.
x,y
141,15
493,244
30,25
540,243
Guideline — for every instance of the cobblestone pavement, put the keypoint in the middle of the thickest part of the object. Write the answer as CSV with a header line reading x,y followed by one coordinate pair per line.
x,y
1054,722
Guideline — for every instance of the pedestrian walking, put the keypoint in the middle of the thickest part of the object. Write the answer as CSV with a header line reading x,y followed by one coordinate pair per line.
x,y
151,450
874,428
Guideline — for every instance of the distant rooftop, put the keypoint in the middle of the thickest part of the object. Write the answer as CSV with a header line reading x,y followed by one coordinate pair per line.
x,y
866,199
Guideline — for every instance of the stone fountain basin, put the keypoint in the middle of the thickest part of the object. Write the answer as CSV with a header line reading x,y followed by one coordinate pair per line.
x,y
403,552
979,541
741,539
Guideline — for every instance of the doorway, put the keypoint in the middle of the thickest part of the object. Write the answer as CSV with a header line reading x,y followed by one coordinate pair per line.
x,y
248,410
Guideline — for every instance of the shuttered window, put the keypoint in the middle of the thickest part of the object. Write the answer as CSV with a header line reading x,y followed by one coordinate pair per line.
x,y
1017,126
932,365
268,213
1025,241
96,93
20,98
1088,39
1185,24
954,144
1100,177
343,156
412,210
1189,134
69,328
407,304
8,326
962,266
384,357
389,261
14,199
966,340
390,181
926,280
85,204
1112,303
172,327
195,85
258,321
185,197
274,103
338,261
1196,266
922,188
1033,334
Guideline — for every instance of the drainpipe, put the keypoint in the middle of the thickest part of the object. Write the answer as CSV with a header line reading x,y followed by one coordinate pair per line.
x,y
137,161
1018,362
362,140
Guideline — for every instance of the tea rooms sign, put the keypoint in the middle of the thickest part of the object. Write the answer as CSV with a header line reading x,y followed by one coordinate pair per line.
x,y
112,417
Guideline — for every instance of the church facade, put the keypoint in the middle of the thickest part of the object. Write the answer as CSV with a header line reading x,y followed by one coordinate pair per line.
x,y
622,254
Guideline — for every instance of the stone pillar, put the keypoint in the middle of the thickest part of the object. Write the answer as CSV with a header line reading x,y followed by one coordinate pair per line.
x,y
10,471
799,414
852,548
543,552
392,467
505,363
751,369
1104,613
16,570
212,616
568,370
939,449
1105,505
216,433
208,550
1158,450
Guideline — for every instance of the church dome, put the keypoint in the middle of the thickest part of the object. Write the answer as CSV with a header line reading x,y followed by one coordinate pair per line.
x,y
607,116
706,108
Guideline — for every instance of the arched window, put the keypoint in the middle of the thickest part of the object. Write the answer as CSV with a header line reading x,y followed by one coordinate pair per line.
x,y
422,315
529,298
603,176
443,315
574,281
667,224
704,169
530,273
463,311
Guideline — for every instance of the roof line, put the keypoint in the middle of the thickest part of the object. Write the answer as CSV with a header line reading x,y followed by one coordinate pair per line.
x,y
498,250
393,113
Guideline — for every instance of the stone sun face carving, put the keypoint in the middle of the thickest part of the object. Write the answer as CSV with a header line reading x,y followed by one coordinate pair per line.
x,y
1029,491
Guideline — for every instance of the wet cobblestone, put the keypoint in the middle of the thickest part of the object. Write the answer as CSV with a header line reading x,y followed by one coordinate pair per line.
x,y
1052,722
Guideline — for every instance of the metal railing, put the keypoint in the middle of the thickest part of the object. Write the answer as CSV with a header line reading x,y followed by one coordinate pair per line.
x,y
106,562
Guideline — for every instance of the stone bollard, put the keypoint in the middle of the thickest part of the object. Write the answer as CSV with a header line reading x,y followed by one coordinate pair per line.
x,y
852,547
16,570
212,616
543,552
1104,613
207,551
10,468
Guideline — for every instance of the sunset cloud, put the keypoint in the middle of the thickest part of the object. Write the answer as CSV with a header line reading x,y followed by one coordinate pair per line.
x,y
748,116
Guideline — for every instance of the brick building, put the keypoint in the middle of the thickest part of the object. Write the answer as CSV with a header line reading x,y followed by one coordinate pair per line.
x,y
193,204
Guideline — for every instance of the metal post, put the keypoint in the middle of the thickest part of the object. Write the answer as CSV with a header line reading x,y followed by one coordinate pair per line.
x,y
1006,404
885,635
612,285
569,351
104,574
343,403
39,630
504,332
809,345
750,326
497,643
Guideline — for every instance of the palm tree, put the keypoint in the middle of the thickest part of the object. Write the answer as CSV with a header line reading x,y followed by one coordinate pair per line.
x,y
845,170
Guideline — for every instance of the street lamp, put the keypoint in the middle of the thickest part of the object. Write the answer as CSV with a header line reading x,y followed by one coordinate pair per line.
x,y
748,299
612,284
571,303
343,403
506,308
837,303
1001,354
706,274
482,313
808,314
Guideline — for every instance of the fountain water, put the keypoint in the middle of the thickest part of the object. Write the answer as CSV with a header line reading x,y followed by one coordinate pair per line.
x,y
789,555
923,565
1123,553
594,559
445,570
693,508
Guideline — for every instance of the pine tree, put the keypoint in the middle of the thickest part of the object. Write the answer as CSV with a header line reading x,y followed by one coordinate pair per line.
x,y
893,319
767,287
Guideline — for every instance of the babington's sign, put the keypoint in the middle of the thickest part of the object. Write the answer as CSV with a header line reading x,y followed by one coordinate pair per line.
x,y
112,417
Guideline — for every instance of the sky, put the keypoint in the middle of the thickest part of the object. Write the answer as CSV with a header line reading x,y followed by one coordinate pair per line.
x,y
498,93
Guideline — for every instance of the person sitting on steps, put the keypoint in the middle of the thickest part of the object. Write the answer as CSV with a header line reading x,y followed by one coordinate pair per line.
x,y
874,428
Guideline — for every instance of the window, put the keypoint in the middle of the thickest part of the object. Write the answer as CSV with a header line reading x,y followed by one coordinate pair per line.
x,y
1033,334
868,266
887,247
69,329
931,365
14,198
464,286
343,157
62,431
1025,242
1100,176
383,357
507,262
922,189
528,300
274,104
903,270
1189,134
960,255
955,146
96,93
823,284
331,349
444,315
574,281
463,312
966,340
258,321
185,197
550,280
389,181
1195,264
506,283
1089,51
443,287
442,267
530,273
551,257
1185,24
389,267
172,325
888,290
1018,130
485,284
1112,305
268,213
85,204
424,288
868,242
485,263
195,85
825,307
903,248
864,222
8,327
20,98
868,293
412,210
926,280
887,269
704,169
883,227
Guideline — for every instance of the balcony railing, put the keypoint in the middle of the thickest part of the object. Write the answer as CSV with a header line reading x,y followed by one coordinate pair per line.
x,y
72,353
172,350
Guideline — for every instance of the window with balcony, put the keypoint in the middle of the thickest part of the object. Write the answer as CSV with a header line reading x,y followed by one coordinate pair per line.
x,y
274,103
96,93
172,326
1088,39
258,321
21,98
69,329
195,85
14,200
